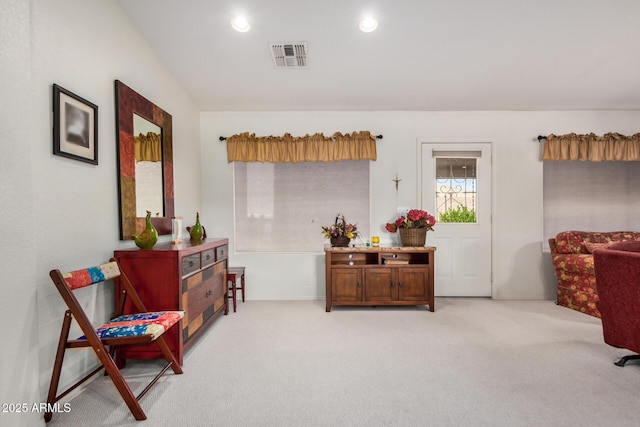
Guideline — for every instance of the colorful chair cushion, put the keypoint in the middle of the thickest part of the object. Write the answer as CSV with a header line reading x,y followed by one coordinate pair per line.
x,y
129,325
89,276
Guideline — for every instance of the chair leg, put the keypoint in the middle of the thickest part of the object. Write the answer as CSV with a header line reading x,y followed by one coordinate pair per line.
x,y
168,355
231,286
57,365
173,363
625,359
234,293
242,283
117,353
121,385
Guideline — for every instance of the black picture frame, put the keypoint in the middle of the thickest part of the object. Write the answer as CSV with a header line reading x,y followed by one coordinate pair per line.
x,y
75,126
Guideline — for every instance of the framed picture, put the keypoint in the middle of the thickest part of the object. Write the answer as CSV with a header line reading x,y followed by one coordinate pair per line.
x,y
75,126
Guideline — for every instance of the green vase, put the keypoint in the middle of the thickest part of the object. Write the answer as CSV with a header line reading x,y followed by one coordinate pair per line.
x,y
148,238
196,231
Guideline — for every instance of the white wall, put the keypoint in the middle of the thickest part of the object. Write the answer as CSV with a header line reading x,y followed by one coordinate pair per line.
x,y
57,212
520,269
19,376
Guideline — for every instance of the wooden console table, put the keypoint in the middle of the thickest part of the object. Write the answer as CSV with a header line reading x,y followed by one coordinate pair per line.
x,y
379,276
184,277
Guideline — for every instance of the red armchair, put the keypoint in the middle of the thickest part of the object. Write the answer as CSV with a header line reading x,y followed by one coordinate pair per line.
x,y
617,270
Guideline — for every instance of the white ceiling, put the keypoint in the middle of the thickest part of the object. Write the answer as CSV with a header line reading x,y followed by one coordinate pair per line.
x,y
449,55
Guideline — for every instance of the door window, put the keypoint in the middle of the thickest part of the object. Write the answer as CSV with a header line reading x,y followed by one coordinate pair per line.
x,y
456,189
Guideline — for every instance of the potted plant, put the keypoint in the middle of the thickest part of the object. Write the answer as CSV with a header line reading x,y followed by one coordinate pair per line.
x,y
413,228
340,233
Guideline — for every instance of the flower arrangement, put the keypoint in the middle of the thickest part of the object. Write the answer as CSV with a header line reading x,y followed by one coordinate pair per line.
x,y
340,228
416,218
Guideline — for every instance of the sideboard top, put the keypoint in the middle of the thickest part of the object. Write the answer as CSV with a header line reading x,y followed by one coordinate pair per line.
x,y
380,249
186,245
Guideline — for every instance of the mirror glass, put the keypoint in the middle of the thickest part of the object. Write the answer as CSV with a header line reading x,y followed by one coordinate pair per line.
x,y
148,168
145,163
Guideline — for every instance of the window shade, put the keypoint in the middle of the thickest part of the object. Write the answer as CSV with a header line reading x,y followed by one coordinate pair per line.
x,y
281,207
590,196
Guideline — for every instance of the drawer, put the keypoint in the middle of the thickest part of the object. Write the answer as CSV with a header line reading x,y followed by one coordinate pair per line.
x,y
221,252
190,264
208,257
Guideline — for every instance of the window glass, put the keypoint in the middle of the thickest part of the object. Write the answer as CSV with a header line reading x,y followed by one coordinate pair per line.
x,y
456,189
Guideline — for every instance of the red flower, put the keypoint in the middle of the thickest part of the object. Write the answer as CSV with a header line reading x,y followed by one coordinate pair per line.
x,y
416,215
391,227
416,218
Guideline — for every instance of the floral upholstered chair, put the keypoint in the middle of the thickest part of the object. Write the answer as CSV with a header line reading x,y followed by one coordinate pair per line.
x,y
572,257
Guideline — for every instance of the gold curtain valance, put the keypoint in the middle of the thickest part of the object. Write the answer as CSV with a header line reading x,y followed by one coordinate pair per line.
x,y
593,148
148,147
247,147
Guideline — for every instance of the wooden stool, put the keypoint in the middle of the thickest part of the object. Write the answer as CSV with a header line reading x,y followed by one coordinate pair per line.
x,y
233,273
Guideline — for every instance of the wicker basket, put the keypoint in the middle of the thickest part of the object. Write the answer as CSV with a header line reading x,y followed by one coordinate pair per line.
x,y
340,242
413,236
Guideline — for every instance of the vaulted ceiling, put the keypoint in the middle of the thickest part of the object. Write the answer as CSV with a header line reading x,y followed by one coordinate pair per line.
x,y
431,55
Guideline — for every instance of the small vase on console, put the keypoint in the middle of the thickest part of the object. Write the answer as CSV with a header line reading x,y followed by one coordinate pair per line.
x,y
196,232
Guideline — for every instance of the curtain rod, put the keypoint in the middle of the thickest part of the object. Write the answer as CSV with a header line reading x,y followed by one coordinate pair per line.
x,y
541,137
224,138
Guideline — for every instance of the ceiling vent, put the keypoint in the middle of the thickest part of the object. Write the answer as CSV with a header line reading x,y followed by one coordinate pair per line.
x,y
289,54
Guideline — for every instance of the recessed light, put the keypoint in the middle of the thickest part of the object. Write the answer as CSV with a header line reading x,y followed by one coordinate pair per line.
x,y
240,24
368,24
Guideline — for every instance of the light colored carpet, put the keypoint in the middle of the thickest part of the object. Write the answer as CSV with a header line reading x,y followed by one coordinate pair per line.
x,y
473,362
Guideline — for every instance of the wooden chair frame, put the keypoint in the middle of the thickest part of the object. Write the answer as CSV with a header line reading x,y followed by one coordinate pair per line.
x,y
99,345
233,274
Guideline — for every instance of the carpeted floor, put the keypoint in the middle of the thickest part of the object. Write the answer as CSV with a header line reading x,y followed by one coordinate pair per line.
x,y
473,362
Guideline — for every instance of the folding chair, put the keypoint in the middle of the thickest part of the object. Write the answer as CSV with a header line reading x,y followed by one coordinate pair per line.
x,y
131,329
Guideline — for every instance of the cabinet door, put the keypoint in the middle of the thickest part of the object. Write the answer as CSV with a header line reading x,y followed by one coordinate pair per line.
x,y
346,285
380,285
219,285
197,300
413,284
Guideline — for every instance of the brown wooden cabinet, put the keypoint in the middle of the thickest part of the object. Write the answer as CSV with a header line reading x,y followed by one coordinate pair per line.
x,y
379,276
184,277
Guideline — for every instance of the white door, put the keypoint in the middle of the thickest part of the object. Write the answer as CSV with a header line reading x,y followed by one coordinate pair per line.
x,y
456,188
